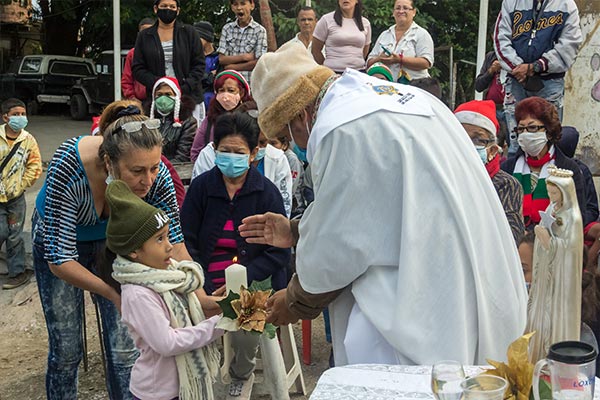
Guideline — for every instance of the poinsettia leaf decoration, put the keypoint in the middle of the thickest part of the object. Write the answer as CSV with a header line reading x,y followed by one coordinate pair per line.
x,y
226,306
262,286
270,330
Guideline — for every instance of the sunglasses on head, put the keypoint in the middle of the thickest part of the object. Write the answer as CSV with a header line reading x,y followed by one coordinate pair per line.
x,y
136,126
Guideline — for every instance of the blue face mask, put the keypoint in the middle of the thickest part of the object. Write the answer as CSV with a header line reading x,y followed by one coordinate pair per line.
x,y
17,122
482,151
232,165
301,153
260,154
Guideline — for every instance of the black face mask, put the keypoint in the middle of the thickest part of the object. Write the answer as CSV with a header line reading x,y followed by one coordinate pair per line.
x,y
166,15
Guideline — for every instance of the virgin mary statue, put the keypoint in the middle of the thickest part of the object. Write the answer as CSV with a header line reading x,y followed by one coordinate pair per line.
x,y
554,307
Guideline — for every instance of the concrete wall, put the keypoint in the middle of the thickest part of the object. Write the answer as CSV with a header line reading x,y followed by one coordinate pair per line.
x,y
582,87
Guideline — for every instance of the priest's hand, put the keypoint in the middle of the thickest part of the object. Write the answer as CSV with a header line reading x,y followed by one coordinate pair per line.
x,y
278,313
270,228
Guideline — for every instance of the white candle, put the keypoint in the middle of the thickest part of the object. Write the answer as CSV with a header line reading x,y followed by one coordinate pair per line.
x,y
235,276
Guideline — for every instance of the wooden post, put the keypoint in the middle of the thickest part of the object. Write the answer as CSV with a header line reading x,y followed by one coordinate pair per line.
x,y
267,21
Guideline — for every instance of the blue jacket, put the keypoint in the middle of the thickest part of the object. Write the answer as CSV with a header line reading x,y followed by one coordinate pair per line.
x,y
556,40
206,209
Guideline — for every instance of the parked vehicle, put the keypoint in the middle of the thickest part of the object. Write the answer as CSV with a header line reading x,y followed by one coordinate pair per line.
x,y
91,93
41,79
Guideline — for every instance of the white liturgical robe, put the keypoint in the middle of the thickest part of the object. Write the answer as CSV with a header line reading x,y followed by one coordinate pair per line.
x,y
406,218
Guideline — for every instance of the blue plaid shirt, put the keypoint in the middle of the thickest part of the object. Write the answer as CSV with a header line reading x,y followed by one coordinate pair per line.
x,y
250,39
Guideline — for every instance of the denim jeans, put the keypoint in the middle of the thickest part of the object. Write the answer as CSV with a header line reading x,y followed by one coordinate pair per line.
x,y
63,307
553,91
12,218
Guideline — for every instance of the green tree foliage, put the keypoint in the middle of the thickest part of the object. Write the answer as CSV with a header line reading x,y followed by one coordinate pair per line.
x,y
450,23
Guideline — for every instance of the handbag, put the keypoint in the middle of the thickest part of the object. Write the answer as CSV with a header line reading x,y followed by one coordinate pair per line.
x,y
5,161
10,154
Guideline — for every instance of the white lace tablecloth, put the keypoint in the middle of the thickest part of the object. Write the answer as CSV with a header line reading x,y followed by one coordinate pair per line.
x,y
383,382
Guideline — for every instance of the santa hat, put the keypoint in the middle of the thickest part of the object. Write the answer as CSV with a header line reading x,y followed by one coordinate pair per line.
x,y
174,85
480,113
95,125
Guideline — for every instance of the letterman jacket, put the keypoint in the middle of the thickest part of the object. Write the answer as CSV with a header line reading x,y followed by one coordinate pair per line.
x,y
553,42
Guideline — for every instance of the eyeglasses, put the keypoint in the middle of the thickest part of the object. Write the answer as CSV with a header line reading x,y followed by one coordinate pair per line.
x,y
404,8
482,142
136,126
529,128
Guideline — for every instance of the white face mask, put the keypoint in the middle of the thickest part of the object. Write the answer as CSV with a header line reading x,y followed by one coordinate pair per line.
x,y
532,143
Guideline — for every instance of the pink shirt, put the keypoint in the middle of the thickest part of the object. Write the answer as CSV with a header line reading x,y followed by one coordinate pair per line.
x,y
154,375
344,43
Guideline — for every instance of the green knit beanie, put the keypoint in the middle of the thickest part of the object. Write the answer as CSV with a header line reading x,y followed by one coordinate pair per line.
x,y
382,69
132,221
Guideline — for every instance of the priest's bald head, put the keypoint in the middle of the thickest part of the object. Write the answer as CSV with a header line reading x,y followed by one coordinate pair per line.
x,y
285,85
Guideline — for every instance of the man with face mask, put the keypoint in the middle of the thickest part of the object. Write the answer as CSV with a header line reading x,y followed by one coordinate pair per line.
x,y
170,48
478,117
386,159
20,167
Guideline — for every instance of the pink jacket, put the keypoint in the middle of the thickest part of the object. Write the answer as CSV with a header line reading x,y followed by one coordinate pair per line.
x,y
154,375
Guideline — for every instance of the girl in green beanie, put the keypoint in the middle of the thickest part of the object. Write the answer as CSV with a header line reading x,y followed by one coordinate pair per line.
x,y
158,302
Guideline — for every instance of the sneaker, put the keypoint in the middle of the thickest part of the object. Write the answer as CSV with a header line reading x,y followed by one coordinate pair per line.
x,y
18,280
241,390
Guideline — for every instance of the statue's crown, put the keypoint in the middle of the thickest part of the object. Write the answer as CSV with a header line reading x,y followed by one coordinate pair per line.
x,y
559,172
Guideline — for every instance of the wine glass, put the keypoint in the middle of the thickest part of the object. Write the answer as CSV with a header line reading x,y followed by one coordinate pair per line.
x,y
446,377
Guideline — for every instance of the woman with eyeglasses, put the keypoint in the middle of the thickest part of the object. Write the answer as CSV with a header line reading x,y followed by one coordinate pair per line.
x,y
214,206
538,132
478,117
68,235
346,36
405,47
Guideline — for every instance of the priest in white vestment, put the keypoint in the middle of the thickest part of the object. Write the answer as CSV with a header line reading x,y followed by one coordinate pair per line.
x,y
406,239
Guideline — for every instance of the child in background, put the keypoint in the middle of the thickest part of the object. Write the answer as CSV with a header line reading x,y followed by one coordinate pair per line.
x,y
20,167
211,58
243,41
158,303
282,142
526,256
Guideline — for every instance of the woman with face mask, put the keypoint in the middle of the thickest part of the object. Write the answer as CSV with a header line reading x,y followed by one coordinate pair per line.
x,y
170,48
478,117
215,204
231,90
538,131
177,125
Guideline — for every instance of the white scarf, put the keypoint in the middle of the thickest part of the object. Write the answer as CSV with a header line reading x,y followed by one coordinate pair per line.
x,y
198,368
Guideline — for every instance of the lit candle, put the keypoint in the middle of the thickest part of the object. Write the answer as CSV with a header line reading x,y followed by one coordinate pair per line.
x,y
235,276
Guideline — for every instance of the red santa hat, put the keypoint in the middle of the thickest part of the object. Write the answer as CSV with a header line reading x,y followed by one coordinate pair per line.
x,y
95,125
174,85
480,113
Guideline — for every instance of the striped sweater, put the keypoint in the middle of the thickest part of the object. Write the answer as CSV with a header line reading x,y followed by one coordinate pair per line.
x,y
69,204
24,167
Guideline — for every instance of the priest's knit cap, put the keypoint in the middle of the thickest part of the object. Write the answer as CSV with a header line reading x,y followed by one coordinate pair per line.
x,y
132,221
283,84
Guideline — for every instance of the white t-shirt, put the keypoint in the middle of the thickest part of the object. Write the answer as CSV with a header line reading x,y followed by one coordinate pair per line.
x,y
344,43
416,42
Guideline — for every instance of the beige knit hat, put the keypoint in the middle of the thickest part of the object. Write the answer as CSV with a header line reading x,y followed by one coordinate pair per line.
x,y
283,83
